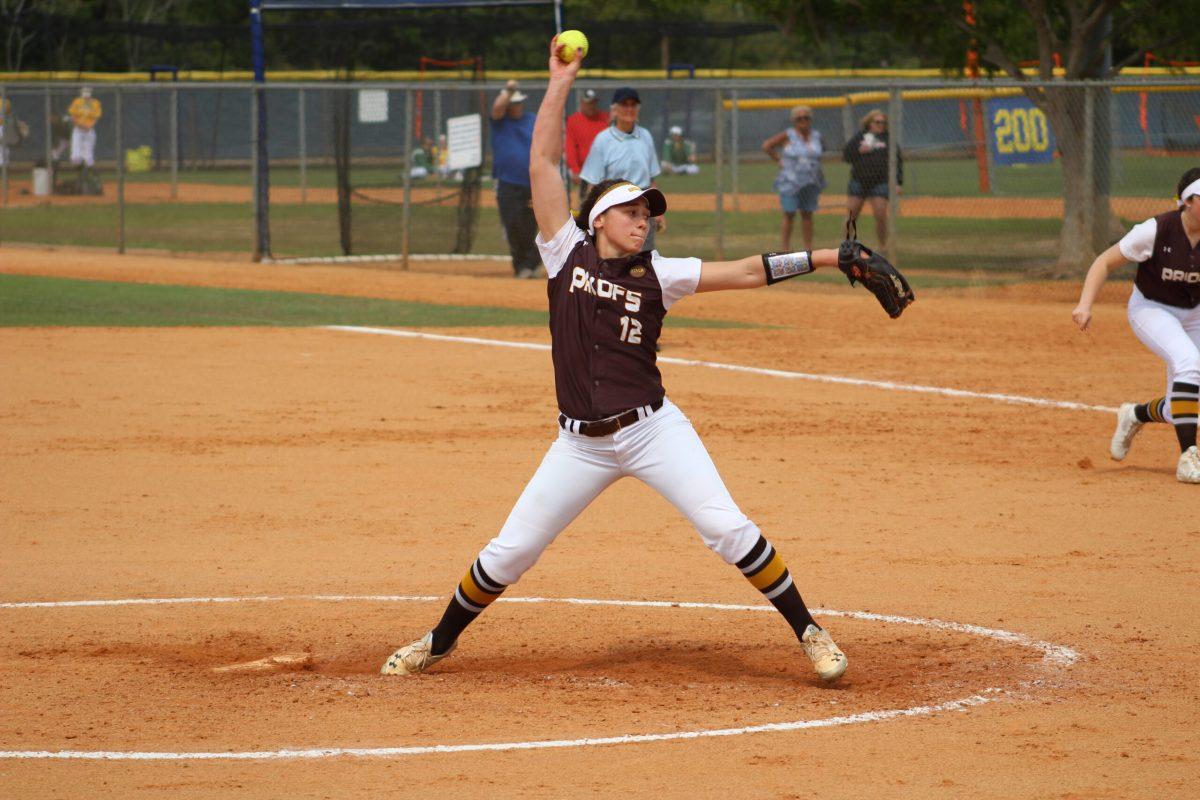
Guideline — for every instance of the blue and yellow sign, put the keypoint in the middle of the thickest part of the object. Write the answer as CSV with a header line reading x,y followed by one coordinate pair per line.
x,y
1020,132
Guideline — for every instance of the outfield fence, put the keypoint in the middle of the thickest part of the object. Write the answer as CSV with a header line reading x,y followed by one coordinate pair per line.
x,y
994,177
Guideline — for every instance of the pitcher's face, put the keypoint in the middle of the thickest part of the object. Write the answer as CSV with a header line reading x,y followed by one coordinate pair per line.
x,y
626,226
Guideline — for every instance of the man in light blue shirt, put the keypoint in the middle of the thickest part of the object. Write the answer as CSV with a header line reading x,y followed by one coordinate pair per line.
x,y
625,151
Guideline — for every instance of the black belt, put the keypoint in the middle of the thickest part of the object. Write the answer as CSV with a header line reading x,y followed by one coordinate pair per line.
x,y
609,425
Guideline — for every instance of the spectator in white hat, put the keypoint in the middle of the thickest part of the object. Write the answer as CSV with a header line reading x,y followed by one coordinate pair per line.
x,y
512,133
679,154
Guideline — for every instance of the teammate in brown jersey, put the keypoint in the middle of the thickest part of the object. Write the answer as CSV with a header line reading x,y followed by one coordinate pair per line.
x,y
1164,312
608,296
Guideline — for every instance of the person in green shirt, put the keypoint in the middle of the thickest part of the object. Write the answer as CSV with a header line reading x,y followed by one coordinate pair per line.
x,y
422,159
679,154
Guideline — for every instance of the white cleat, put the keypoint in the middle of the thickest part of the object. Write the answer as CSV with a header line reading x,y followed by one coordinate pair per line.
x,y
1127,428
414,658
1188,470
827,659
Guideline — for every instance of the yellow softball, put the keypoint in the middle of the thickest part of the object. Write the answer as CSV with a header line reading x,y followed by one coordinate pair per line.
x,y
568,42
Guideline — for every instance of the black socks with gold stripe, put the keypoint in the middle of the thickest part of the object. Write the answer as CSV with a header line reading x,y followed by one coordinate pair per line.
x,y
475,592
1185,403
1154,411
763,567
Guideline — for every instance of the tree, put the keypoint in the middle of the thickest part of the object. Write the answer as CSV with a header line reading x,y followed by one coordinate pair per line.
x,y
141,11
1078,34
1085,37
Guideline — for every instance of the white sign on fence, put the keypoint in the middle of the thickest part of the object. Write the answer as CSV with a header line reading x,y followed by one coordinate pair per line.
x,y
373,105
464,141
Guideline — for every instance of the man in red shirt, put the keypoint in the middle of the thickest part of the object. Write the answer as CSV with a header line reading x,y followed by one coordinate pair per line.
x,y
582,128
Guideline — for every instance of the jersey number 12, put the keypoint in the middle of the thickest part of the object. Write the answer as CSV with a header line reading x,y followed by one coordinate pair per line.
x,y
631,330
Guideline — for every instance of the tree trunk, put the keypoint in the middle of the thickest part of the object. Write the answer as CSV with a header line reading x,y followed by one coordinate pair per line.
x,y
1064,109
1087,213
15,40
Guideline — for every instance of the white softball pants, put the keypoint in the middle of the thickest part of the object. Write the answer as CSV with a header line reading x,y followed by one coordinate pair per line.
x,y
663,451
83,146
1173,334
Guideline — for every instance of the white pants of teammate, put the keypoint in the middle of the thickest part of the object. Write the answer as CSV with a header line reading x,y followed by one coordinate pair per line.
x,y
662,450
1172,333
682,169
83,146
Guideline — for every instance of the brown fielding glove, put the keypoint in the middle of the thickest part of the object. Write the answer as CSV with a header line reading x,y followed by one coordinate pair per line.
x,y
874,272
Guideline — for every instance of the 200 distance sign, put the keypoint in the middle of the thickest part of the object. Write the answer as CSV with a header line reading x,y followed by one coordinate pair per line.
x,y
1020,132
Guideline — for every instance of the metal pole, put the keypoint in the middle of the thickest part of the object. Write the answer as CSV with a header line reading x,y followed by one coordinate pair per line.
x,y
49,141
120,172
1089,165
437,133
991,159
262,229
849,128
895,133
302,125
406,226
174,144
1114,125
735,147
719,158
8,118
255,248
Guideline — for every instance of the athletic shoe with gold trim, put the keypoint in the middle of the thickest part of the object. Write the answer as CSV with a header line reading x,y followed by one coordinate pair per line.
x,y
1188,470
415,657
1127,428
827,659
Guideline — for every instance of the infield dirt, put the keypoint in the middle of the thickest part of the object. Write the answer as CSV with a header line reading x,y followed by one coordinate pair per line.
x,y
177,462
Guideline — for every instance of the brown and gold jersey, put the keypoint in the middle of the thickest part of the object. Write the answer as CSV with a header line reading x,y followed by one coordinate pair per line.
x,y
605,319
1168,266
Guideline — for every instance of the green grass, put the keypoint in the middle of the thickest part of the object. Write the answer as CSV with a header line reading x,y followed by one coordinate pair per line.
x,y
928,243
296,230
34,301
988,245
925,243
1134,174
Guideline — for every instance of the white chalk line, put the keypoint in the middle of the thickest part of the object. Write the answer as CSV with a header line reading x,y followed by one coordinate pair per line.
x,y
987,696
1011,399
1052,654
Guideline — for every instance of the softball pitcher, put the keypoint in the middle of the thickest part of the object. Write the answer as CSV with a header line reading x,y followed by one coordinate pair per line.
x,y
608,297
1164,312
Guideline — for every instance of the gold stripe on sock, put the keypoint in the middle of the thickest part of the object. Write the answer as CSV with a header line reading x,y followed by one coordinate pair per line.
x,y
768,574
475,594
1184,408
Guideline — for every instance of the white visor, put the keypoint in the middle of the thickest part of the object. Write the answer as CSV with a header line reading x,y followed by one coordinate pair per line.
x,y
622,193
1192,188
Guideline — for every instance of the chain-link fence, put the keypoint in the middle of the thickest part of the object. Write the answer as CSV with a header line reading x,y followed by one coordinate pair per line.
x,y
138,166
992,177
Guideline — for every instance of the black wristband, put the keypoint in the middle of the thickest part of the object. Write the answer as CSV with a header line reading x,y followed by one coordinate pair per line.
x,y
781,266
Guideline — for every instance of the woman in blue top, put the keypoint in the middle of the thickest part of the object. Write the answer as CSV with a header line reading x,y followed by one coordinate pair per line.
x,y
800,180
